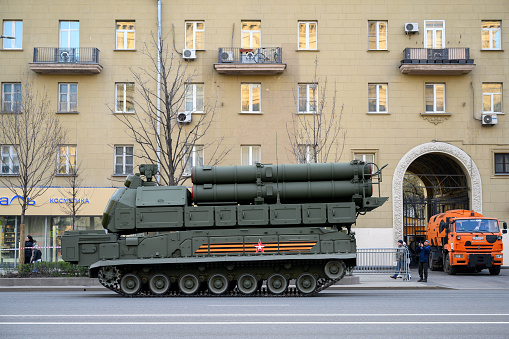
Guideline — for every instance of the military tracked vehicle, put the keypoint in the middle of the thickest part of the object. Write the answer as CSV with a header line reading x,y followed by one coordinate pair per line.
x,y
244,230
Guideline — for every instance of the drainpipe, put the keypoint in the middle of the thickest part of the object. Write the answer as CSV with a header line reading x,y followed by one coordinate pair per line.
x,y
158,131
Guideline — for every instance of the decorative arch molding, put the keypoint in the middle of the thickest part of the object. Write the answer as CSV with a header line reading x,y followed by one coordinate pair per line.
x,y
462,158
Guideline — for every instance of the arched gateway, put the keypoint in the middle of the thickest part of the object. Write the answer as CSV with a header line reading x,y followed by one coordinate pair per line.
x,y
435,155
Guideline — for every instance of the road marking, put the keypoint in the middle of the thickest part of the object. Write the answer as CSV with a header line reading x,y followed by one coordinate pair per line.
x,y
266,323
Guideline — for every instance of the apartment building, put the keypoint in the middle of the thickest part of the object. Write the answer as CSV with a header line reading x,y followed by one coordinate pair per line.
x,y
417,86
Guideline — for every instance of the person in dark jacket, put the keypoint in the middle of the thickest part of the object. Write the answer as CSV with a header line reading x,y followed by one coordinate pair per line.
x,y
36,253
29,242
423,251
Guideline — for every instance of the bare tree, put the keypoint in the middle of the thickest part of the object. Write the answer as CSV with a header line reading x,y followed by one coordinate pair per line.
x,y
74,194
29,136
162,139
317,134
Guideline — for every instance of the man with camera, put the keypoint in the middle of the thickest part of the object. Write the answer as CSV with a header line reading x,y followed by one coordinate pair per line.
x,y
423,251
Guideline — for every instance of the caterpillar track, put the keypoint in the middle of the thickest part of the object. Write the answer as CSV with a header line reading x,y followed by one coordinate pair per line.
x,y
132,281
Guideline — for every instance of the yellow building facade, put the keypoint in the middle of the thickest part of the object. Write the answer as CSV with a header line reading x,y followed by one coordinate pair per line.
x,y
418,86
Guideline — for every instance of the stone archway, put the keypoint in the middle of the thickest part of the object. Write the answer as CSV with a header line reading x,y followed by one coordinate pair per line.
x,y
432,147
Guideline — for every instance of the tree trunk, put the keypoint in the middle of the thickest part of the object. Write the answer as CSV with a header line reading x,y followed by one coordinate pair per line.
x,y
21,259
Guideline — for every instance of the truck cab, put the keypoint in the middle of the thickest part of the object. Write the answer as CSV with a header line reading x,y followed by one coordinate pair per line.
x,y
465,240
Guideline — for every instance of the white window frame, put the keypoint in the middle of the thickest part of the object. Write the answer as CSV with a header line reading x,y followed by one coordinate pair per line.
x,y
14,95
11,159
251,94
251,33
307,88
196,31
124,156
492,32
124,97
192,92
251,150
378,35
69,42
491,95
377,98
306,153
366,156
69,101
195,154
65,161
307,35
434,31
125,33
18,36
434,97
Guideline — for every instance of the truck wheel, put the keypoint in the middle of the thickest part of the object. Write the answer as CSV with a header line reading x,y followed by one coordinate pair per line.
x,y
495,270
450,269
432,266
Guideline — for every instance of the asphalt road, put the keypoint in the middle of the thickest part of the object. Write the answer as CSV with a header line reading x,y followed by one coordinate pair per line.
x,y
439,313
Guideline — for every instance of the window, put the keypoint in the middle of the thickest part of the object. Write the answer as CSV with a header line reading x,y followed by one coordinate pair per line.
x,y
435,98
251,98
377,98
194,157
124,92
502,163
492,97
307,35
125,34
13,29
69,34
308,98
11,97
307,154
194,98
251,34
67,97
10,160
366,157
124,160
434,37
491,34
67,159
250,155
195,35
377,35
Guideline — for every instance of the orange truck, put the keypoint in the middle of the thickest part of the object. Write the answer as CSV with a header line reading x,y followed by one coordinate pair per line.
x,y
464,239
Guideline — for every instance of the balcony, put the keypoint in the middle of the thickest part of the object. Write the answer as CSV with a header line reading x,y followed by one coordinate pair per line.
x,y
256,61
48,60
444,61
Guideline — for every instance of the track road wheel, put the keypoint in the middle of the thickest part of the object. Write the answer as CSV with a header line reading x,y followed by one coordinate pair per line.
x,y
109,276
189,284
495,270
450,269
247,284
335,269
130,284
277,284
159,284
306,283
218,284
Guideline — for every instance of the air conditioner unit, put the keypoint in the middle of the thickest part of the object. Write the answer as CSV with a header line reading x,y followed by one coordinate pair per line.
x,y
184,117
489,119
64,55
227,56
189,54
411,27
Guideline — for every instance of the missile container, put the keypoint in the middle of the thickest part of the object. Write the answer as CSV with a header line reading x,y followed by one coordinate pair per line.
x,y
244,230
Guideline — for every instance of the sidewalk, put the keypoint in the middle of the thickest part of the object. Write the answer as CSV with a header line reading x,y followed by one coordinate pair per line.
x,y
436,280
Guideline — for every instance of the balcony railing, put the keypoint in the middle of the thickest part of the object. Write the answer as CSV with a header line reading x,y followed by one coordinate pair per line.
x,y
264,60
436,61
66,60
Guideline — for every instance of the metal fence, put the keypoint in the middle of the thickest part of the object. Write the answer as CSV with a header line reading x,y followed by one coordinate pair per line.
x,y
383,261
85,55
262,55
434,54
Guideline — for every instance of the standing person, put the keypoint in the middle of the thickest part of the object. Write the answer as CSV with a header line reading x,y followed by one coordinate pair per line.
x,y
29,242
400,259
423,251
36,253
